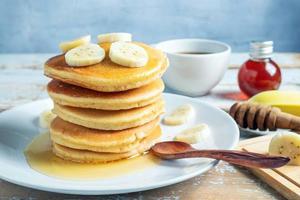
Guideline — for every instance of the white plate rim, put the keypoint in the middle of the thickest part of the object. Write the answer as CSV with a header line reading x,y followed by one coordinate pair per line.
x,y
94,190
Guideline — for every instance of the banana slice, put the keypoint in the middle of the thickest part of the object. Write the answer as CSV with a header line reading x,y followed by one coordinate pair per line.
x,y
114,37
193,135
286,144
84,55
128,54
179,116
46,118
66,46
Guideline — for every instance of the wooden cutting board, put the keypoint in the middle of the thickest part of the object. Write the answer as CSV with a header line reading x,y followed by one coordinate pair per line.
x,y
286,180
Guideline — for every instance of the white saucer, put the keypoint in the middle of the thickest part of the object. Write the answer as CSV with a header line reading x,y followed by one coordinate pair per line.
x,y
19,125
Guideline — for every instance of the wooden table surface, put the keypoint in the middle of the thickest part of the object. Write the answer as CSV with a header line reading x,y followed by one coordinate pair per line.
x,y
22,81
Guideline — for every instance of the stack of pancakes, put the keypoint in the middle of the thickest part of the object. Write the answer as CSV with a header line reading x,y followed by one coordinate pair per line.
x,y
105,111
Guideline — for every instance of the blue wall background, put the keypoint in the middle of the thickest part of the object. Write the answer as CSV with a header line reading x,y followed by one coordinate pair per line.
x,y
38,26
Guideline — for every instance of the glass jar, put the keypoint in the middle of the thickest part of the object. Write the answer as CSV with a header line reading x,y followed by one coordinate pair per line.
x,y
260,72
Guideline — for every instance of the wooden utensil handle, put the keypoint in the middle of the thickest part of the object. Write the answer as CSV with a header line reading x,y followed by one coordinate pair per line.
x,y
263,117
289,121
242,158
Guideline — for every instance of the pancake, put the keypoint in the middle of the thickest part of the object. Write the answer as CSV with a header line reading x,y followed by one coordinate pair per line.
x,y
110,120
107,76
85,156
70,95
79,137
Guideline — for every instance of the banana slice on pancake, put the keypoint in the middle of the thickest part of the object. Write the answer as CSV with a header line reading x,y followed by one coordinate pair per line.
x,y
84,55
68,45
114,37
128,54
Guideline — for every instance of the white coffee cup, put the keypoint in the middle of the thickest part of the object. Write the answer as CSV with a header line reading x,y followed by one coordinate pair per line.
x,y
190,72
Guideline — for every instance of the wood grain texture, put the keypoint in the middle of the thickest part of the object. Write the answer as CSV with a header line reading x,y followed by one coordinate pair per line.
x,y
284,179
222,182
170,150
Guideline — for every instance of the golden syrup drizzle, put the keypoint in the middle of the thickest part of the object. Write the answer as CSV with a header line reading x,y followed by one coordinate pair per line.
x,y
40,158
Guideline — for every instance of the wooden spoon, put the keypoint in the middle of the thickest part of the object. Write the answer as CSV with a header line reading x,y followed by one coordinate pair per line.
x,y
176,150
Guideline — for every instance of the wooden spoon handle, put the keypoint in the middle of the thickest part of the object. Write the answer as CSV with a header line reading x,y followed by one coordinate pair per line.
x,y
242,158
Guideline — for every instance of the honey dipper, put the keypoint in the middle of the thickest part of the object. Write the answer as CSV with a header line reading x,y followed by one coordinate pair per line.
x,y
263,117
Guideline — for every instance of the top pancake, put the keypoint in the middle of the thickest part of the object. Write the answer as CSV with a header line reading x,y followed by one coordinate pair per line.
x,y
107,76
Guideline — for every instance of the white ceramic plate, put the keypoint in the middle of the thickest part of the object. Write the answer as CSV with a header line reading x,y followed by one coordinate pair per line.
x,y
19,125
250,132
